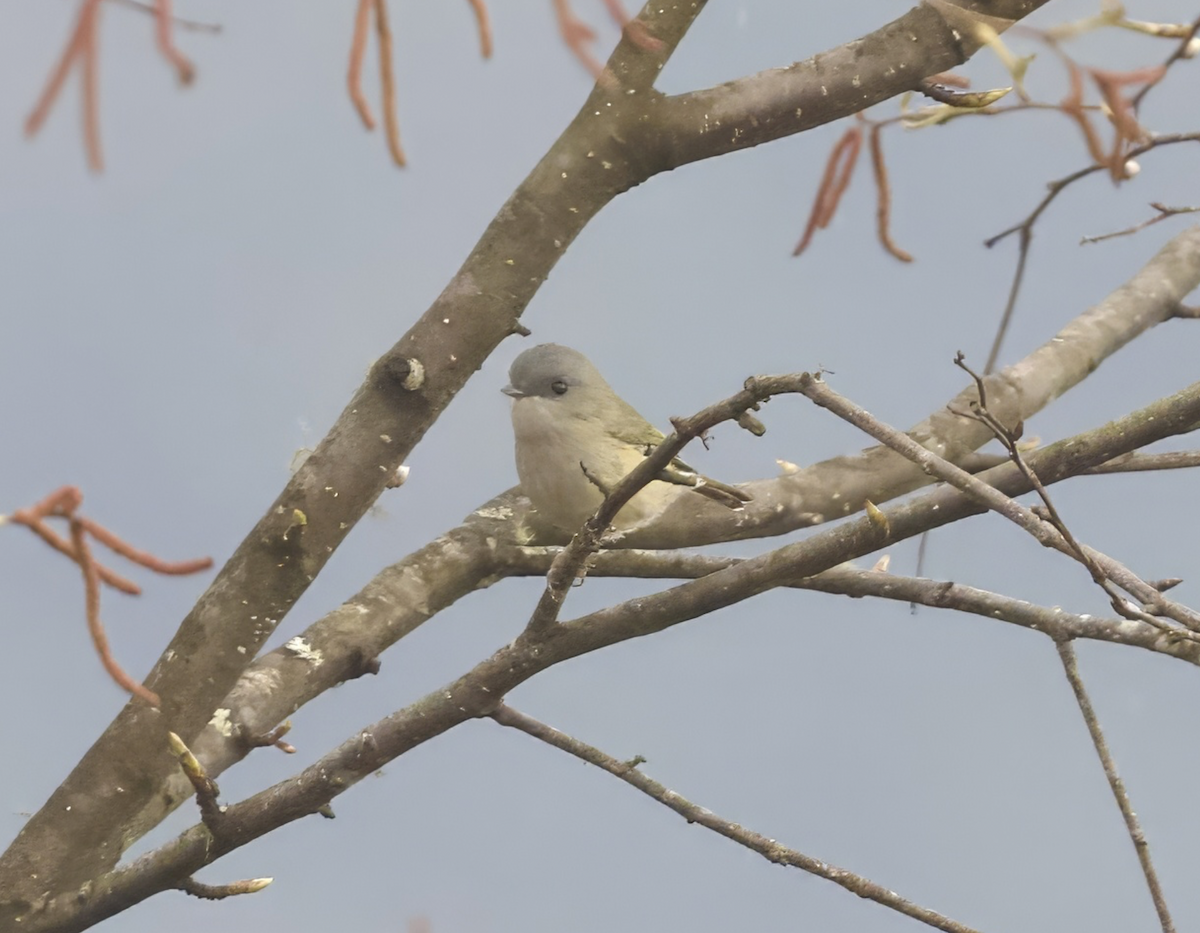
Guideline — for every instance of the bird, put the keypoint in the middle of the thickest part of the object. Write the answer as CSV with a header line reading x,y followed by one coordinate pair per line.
x,y
576,439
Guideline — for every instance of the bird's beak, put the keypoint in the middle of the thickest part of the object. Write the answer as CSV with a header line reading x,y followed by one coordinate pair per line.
x,y
513,393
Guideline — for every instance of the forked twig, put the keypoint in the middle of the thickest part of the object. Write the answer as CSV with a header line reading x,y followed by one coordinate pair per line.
x,y
1108,574
1024,229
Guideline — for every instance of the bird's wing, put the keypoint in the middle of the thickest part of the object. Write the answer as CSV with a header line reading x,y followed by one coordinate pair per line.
x,y
641,433
729,496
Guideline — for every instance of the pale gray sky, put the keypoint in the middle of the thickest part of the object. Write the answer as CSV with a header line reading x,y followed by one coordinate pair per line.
x,y
178,326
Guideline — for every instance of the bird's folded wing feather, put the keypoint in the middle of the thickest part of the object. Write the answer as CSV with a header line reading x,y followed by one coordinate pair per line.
x,y
729,496
647,436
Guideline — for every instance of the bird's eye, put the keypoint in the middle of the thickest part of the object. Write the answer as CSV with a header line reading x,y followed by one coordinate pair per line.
x,y
559,387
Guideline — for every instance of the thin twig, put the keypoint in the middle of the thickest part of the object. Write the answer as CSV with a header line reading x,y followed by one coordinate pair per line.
x,y
189,24
1107,573
769,849
1163,213
1044,531
1025,230
1066,654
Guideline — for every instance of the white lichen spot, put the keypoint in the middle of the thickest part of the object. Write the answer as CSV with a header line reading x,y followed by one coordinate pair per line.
x,y
241,649
605,164
386,438
591,155
302,649
564,174
446,320
508,262
558,244
856,81
222,723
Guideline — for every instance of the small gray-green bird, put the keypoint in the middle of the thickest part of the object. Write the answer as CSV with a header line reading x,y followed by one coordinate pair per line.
x,y
576,439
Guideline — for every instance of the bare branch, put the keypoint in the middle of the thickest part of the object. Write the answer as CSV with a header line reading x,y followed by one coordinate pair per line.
x,y
1066,654
478,692
1025,231
769,849
1050,533
605,151
931,38
1054,622
1139,462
